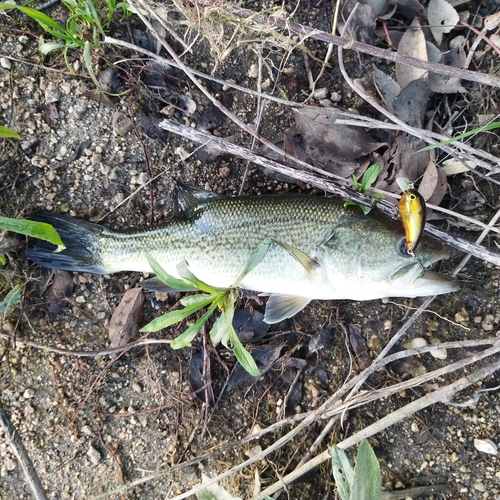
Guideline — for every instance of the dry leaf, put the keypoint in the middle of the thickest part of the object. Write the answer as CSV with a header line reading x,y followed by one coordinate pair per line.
x,y
453,166
412,44
124,321
59,290
442,85
386,87
411,103
402,161
442,18
319,131
433,185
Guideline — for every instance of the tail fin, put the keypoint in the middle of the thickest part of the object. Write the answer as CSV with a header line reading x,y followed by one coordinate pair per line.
x,y
82,245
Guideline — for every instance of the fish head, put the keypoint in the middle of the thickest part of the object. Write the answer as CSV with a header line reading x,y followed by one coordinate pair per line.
x,y
367,259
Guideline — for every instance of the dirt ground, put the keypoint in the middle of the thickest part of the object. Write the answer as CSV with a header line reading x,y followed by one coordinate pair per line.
x,y
93,424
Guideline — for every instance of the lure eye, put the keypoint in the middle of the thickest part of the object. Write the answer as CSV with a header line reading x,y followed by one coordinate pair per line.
x,y
402,247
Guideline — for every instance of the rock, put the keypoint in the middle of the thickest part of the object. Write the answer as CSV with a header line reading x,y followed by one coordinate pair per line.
x,y
486,446
5,63
415,343
94,455
122,124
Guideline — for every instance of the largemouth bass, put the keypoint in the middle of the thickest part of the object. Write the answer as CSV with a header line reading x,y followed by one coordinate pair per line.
x,y
319,249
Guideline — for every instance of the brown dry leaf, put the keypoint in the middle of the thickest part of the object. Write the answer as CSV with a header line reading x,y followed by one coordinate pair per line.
x,y
328,140
387,88
442,18
124,321
59,290
402,161
433,185
412,44
411,103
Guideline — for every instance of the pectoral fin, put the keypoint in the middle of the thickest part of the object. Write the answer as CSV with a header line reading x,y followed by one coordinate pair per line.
x,y
280,307
307,262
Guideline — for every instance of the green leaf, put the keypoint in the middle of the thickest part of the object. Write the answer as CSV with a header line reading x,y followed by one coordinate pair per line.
x,y
186,337
40,230
484,128
195,299
242,355
343,472
367,482
170,281
11,299
48,47
2,260
173,317
366,210
369,177
219,332
258,253
8,133
43,19
184,272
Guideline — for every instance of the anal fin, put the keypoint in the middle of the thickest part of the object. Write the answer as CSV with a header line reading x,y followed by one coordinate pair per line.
x,y
280,307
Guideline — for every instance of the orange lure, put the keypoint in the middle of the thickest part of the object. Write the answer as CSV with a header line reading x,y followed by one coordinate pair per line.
x,y
412,213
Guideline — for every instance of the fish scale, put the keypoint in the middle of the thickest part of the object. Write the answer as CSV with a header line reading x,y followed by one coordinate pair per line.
x,y
320,249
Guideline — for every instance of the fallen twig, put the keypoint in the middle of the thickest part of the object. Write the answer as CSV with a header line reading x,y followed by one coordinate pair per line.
x,y
19,450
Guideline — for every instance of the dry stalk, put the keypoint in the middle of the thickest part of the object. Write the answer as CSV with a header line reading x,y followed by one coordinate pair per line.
x,y
14,440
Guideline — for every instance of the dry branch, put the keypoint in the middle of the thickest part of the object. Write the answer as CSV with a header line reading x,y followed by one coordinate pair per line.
x,y
12,437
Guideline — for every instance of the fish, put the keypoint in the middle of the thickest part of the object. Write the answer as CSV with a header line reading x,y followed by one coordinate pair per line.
x,y
412,211
318,249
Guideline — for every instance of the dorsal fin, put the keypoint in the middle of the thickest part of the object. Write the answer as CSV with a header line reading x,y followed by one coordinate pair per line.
x,y
189,199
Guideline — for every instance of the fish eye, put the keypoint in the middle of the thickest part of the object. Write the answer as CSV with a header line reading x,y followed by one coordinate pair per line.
x,y
402,248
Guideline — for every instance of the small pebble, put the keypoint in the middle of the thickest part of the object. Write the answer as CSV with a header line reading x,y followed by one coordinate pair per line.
x,y
52,95
5,63
94,455
415,343
320,94
486,446
122,124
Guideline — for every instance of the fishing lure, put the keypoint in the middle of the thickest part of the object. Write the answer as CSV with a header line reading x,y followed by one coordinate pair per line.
x,y
412,212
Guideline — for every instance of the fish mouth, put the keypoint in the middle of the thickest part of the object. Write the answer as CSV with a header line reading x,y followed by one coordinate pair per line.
x,y
423,282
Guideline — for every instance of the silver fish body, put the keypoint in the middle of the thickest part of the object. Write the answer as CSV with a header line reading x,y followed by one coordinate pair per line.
x,y
319,249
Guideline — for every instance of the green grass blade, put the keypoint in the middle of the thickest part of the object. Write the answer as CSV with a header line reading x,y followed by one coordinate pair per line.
x,y
184,272
173,317
367,482
195,299
170,281
40,230
258,253
242,355
8,133
11,299
484,128
343,472
185,338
